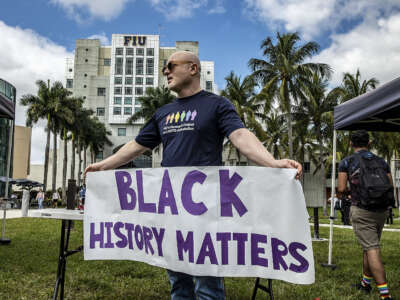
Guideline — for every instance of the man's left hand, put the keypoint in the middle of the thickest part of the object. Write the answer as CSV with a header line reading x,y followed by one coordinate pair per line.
x,y
290,164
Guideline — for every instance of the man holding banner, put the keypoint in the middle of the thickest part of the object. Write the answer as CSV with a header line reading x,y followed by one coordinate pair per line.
x,y
192,130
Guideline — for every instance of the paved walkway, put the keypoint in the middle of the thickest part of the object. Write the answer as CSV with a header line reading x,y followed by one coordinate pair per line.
x,y
16,213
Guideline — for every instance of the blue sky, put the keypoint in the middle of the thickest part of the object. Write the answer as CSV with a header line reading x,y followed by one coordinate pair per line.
x,y
37,36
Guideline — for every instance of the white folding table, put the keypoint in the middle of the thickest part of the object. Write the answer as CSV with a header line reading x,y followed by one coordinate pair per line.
x,y
66,216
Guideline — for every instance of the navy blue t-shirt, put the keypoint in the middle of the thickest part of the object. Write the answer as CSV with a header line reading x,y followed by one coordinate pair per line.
x,y
191,130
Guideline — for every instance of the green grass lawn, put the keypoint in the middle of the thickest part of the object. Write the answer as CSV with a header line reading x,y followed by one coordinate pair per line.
x,y
28,269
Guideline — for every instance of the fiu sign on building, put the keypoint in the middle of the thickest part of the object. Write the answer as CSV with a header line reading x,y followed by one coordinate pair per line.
x,y
130,40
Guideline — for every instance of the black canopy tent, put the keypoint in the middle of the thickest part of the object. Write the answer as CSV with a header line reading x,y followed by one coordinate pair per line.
x,y
377,110
7,110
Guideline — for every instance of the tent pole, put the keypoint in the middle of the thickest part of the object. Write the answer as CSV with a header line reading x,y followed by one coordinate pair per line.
x,y
331,217
3,240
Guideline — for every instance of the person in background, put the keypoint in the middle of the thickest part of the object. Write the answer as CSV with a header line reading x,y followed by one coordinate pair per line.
x,y
40,198
55,198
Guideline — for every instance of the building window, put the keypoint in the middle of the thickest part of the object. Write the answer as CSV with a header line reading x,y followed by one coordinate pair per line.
x,y
140,51
137,108
150,66
129,66
100,111
128,101
121,131
117,80
127,110
101,91
99,155
85,75
84,86
128,80
209,85
118,100
84,97
139,91
87,49
138,103
117,90
70,83
208,72
86,60
117,111
70,70
119,51
129,51
149,81
150,51
107,62
118,66
128,90
139,80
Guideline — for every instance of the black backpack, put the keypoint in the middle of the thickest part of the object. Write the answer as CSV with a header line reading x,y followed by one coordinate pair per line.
x,y
375,189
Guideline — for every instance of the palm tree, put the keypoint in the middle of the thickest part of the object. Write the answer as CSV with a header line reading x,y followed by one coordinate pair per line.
x,y
40,107
97,137
153,100
276,131
352,87
242,95
283,70
317,105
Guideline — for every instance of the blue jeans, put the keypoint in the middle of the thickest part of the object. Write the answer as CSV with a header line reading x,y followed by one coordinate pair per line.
x,y
205,287
40,202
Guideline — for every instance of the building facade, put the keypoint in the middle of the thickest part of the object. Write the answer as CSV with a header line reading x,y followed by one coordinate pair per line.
x,y
7,93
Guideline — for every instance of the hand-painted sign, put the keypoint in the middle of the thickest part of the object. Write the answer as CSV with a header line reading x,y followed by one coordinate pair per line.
x,y
216,221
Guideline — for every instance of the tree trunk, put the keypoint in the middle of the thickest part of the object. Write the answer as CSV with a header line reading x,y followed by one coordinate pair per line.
x,y
46,157
65,166
78,173
290,138
73,158
54,177
84,159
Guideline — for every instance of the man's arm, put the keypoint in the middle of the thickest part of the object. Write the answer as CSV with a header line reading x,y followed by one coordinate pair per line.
x,y
127,153
249,145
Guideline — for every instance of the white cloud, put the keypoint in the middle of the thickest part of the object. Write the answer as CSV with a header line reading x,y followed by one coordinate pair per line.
x,y
26,57
219,8
102,37
314,17
373,47
177,9
100,9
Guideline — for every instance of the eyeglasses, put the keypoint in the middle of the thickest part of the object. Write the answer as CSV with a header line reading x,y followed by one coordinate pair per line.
x,y
173,63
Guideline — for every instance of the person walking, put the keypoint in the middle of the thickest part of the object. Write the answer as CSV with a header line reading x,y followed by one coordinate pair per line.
x,y
371,188
40,198
192,130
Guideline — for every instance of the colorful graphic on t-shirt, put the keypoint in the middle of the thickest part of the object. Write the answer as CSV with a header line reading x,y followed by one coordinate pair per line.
x,y
179,121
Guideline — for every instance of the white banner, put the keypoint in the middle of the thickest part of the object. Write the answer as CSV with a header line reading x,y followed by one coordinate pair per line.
x,y
217,221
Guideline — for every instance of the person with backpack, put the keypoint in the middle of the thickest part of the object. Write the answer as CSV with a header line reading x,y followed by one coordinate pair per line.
x,y
371,189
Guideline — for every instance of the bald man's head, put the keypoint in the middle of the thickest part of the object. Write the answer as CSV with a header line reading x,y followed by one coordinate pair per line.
x,y
183,72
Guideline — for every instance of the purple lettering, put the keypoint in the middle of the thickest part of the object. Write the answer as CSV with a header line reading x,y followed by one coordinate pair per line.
x,y
241,239
96,237
224,237
159,236
139,237
191,207
167,197
256,260
185,245
143,207
109,244
147,236
207,249
277,254
303,267
130,228
117,230
228,196
124,181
